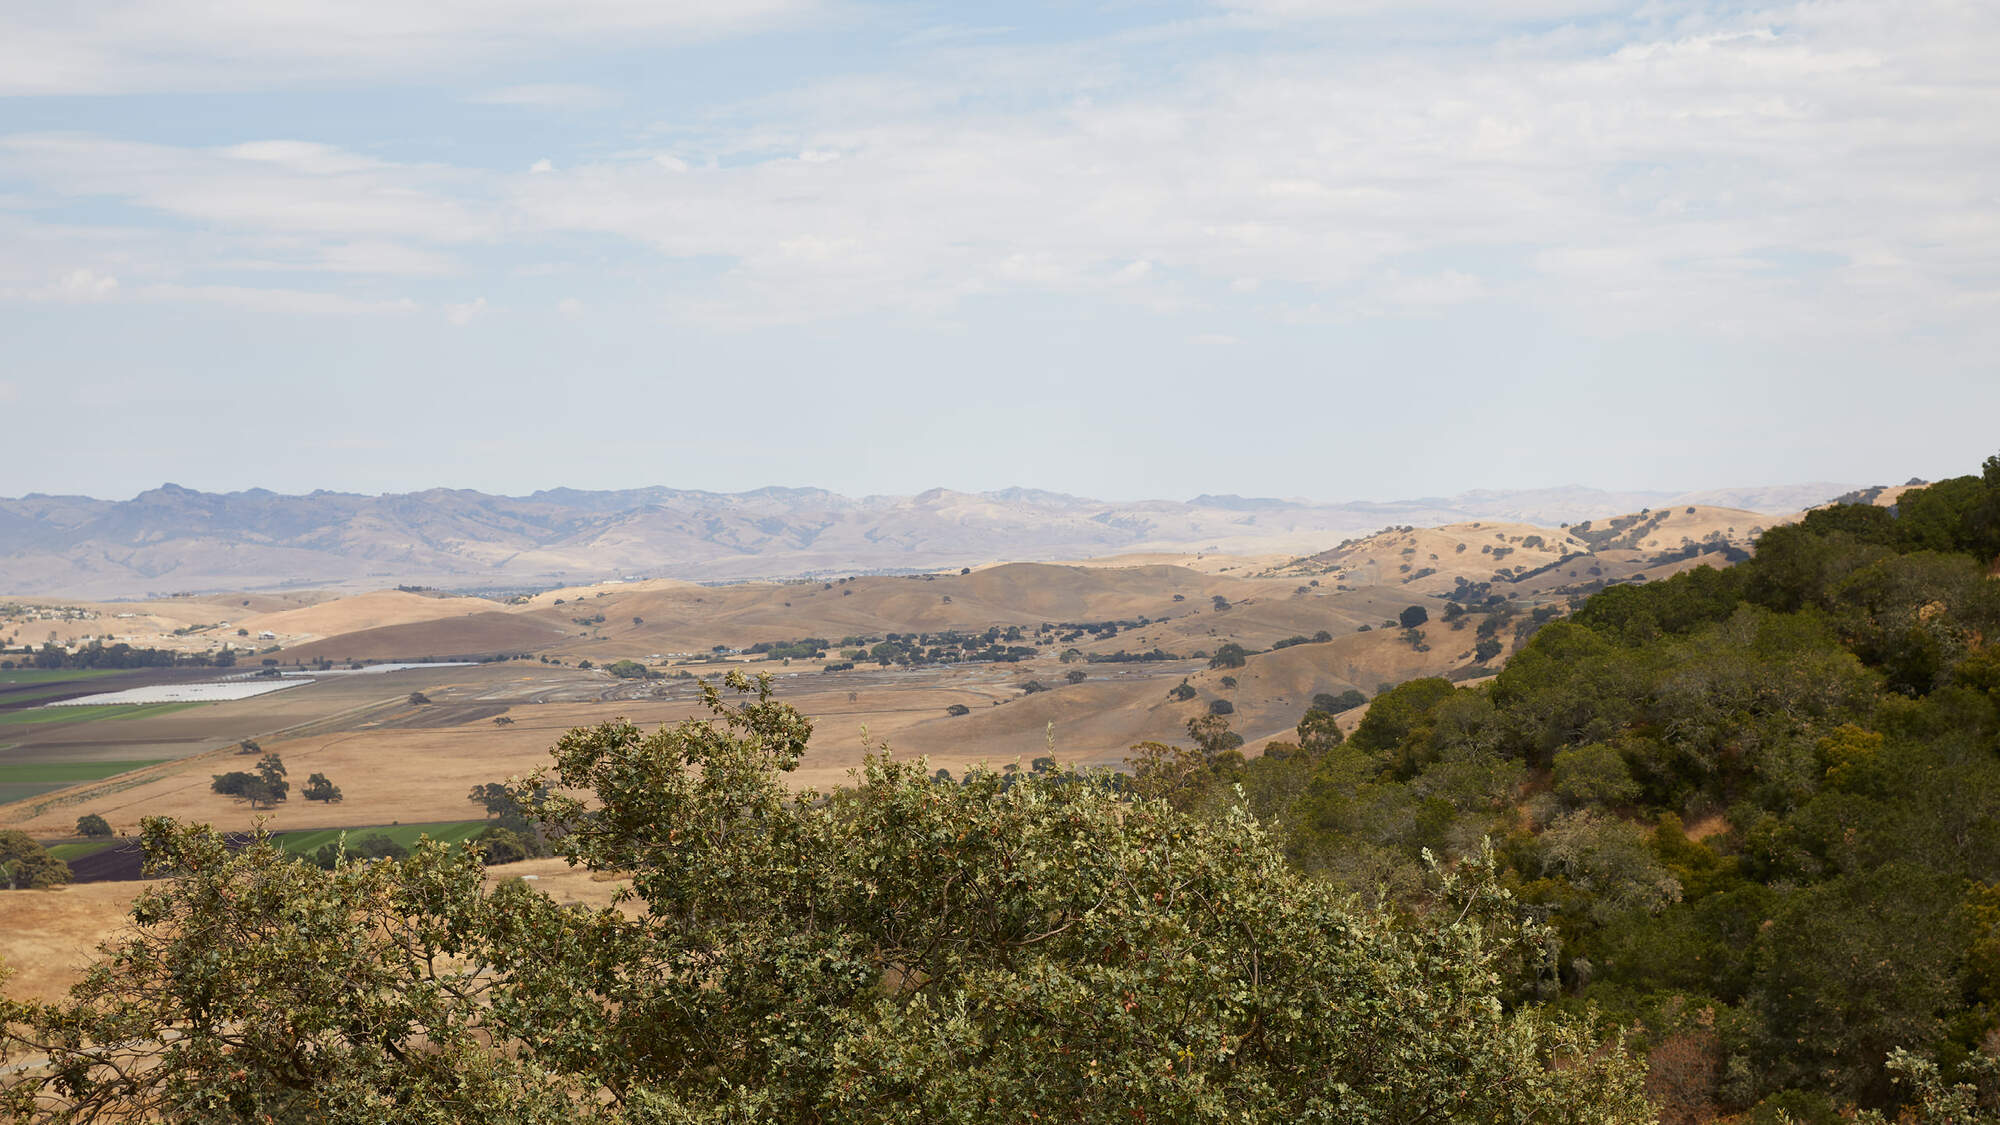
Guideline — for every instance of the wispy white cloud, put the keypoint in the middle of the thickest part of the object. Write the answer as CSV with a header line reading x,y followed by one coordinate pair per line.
x,y
131,46
71,286
464,313
290,187
83,285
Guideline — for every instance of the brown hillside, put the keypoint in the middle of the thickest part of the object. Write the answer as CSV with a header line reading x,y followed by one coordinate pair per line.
x,y
479,634
364,611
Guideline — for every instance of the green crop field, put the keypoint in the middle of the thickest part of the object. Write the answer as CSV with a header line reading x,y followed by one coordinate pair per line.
x,y
18,698
21,780
67,852
55,675
444,831
89,713
36,773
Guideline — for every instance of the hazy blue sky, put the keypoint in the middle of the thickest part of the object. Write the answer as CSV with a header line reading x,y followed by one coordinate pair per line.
x,y
1325,248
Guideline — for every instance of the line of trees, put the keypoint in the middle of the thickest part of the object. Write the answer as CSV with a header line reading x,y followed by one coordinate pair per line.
x,y
97,654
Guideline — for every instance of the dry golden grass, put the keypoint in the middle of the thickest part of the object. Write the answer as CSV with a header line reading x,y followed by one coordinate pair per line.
x,y
51,937
48,937
363,611
1700,522
152,624
677,617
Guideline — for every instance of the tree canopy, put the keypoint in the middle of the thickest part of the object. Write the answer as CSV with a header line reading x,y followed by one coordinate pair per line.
x,y
1760,806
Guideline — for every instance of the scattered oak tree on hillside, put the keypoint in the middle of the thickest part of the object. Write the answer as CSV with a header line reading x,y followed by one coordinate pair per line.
x,y
1230,655
319,788
25,863
1334,704
1319,732
263,789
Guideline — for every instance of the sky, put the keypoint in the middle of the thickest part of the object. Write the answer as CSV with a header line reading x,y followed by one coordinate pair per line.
x,y
1335,249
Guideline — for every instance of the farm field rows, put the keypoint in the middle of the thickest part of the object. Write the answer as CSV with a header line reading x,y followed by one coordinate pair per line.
x,y
20,780
404,835
88,713
69,853
55,676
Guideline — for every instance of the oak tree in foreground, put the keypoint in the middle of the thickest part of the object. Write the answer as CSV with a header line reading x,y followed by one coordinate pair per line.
x,y
1040,945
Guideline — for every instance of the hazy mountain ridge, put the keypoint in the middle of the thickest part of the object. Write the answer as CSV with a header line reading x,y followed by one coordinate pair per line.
x,y
172,538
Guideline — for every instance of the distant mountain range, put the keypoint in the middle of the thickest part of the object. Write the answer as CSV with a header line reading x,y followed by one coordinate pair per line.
x,y
173,539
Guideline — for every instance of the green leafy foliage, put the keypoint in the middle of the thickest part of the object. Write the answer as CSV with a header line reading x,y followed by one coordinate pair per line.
x,y
1230,655
907,948
1334,704
1826,716
264,788
319,788
24,863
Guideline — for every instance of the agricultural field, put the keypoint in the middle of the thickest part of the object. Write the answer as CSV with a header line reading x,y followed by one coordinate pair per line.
x,y
240,687
70,853
19,780
403,835
10,677
86,712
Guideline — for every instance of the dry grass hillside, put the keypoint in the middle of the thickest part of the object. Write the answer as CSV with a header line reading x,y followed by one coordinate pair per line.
x,y
1478,559
51,935
363,611
181,624
491,630
639,620
1436,560
1098,720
